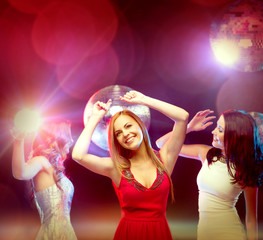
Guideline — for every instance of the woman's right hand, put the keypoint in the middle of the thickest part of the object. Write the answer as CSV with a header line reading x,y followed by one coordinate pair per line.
x,y
101,108
133,97
17,134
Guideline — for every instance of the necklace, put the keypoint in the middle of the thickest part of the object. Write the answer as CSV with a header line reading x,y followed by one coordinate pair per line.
x,y
222,158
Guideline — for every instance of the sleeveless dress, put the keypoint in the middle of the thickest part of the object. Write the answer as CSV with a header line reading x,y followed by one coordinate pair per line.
x,y
218,217
143,210
54,206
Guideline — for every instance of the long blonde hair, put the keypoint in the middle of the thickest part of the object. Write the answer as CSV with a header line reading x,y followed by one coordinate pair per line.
x,y
121,155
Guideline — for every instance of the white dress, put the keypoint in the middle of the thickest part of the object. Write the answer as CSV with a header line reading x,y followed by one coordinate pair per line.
x,y
218,217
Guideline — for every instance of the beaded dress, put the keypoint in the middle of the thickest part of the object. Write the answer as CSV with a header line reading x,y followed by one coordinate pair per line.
x,y
54,204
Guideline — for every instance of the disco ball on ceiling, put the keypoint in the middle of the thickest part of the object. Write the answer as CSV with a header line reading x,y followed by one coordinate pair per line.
x,y
238,32
113,92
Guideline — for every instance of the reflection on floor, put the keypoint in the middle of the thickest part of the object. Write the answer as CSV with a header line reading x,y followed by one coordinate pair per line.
x,y
104,230
87,225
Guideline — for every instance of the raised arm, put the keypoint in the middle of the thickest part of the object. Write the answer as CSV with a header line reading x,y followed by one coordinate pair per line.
x,y
22,170
199,122
103,166
251,197
169,152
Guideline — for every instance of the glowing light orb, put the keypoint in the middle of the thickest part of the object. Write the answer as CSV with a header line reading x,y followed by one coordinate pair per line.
x,y
226,52
237,36
27,120
100,135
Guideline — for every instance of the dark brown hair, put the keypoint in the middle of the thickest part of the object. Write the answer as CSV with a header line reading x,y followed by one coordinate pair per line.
x,y
239,148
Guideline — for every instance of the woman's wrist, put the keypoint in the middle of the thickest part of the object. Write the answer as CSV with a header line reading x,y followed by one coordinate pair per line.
x,y
189,129
17,136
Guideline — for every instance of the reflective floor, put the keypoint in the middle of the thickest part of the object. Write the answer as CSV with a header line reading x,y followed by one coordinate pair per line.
x,y
87,225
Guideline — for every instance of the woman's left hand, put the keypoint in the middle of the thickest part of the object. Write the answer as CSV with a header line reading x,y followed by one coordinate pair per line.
x,y
201,121
133,97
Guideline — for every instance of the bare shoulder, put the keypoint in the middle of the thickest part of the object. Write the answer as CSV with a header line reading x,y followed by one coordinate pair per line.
x,y
38,159
113,173
203,152
195,151
37,164
45,177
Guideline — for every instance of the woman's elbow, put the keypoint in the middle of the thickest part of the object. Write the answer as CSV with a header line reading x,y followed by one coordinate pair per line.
x,y
16,176
19,176
76,157
185,117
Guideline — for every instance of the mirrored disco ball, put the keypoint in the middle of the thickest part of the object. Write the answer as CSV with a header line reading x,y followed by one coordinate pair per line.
x,y
239,31
113,92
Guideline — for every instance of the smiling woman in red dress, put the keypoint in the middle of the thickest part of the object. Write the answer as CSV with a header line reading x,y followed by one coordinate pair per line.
x,y
141,177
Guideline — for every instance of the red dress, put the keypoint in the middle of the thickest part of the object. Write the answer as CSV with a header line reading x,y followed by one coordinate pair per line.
x,y
143,209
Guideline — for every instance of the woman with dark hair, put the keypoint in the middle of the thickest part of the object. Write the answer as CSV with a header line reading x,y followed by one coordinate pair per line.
x,y
232,166
53,191
141,177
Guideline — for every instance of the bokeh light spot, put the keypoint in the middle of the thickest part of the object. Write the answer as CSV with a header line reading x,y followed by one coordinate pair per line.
x,y
65,32
29,6
92,73
242,92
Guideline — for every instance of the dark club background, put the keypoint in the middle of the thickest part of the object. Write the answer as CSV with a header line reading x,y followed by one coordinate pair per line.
x,y
56,54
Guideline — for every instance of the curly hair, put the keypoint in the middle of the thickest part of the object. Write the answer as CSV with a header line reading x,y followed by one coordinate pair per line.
x,y
50,142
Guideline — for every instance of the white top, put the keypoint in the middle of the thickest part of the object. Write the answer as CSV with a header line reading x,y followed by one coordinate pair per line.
x,y
218,218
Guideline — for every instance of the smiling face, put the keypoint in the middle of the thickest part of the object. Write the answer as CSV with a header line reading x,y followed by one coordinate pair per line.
x,y
128,132
218,134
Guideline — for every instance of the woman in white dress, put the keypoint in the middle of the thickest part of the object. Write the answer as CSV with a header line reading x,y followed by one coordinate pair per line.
x,y
231,166
53,191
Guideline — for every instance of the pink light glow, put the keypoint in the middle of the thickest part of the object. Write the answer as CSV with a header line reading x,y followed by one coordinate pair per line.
x,y
66,32
92,73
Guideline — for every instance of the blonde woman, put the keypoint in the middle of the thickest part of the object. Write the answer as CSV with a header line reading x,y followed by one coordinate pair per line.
x,y
53,191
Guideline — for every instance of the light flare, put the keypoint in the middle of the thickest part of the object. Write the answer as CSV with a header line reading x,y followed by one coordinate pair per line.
x,y
226,51
27,120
